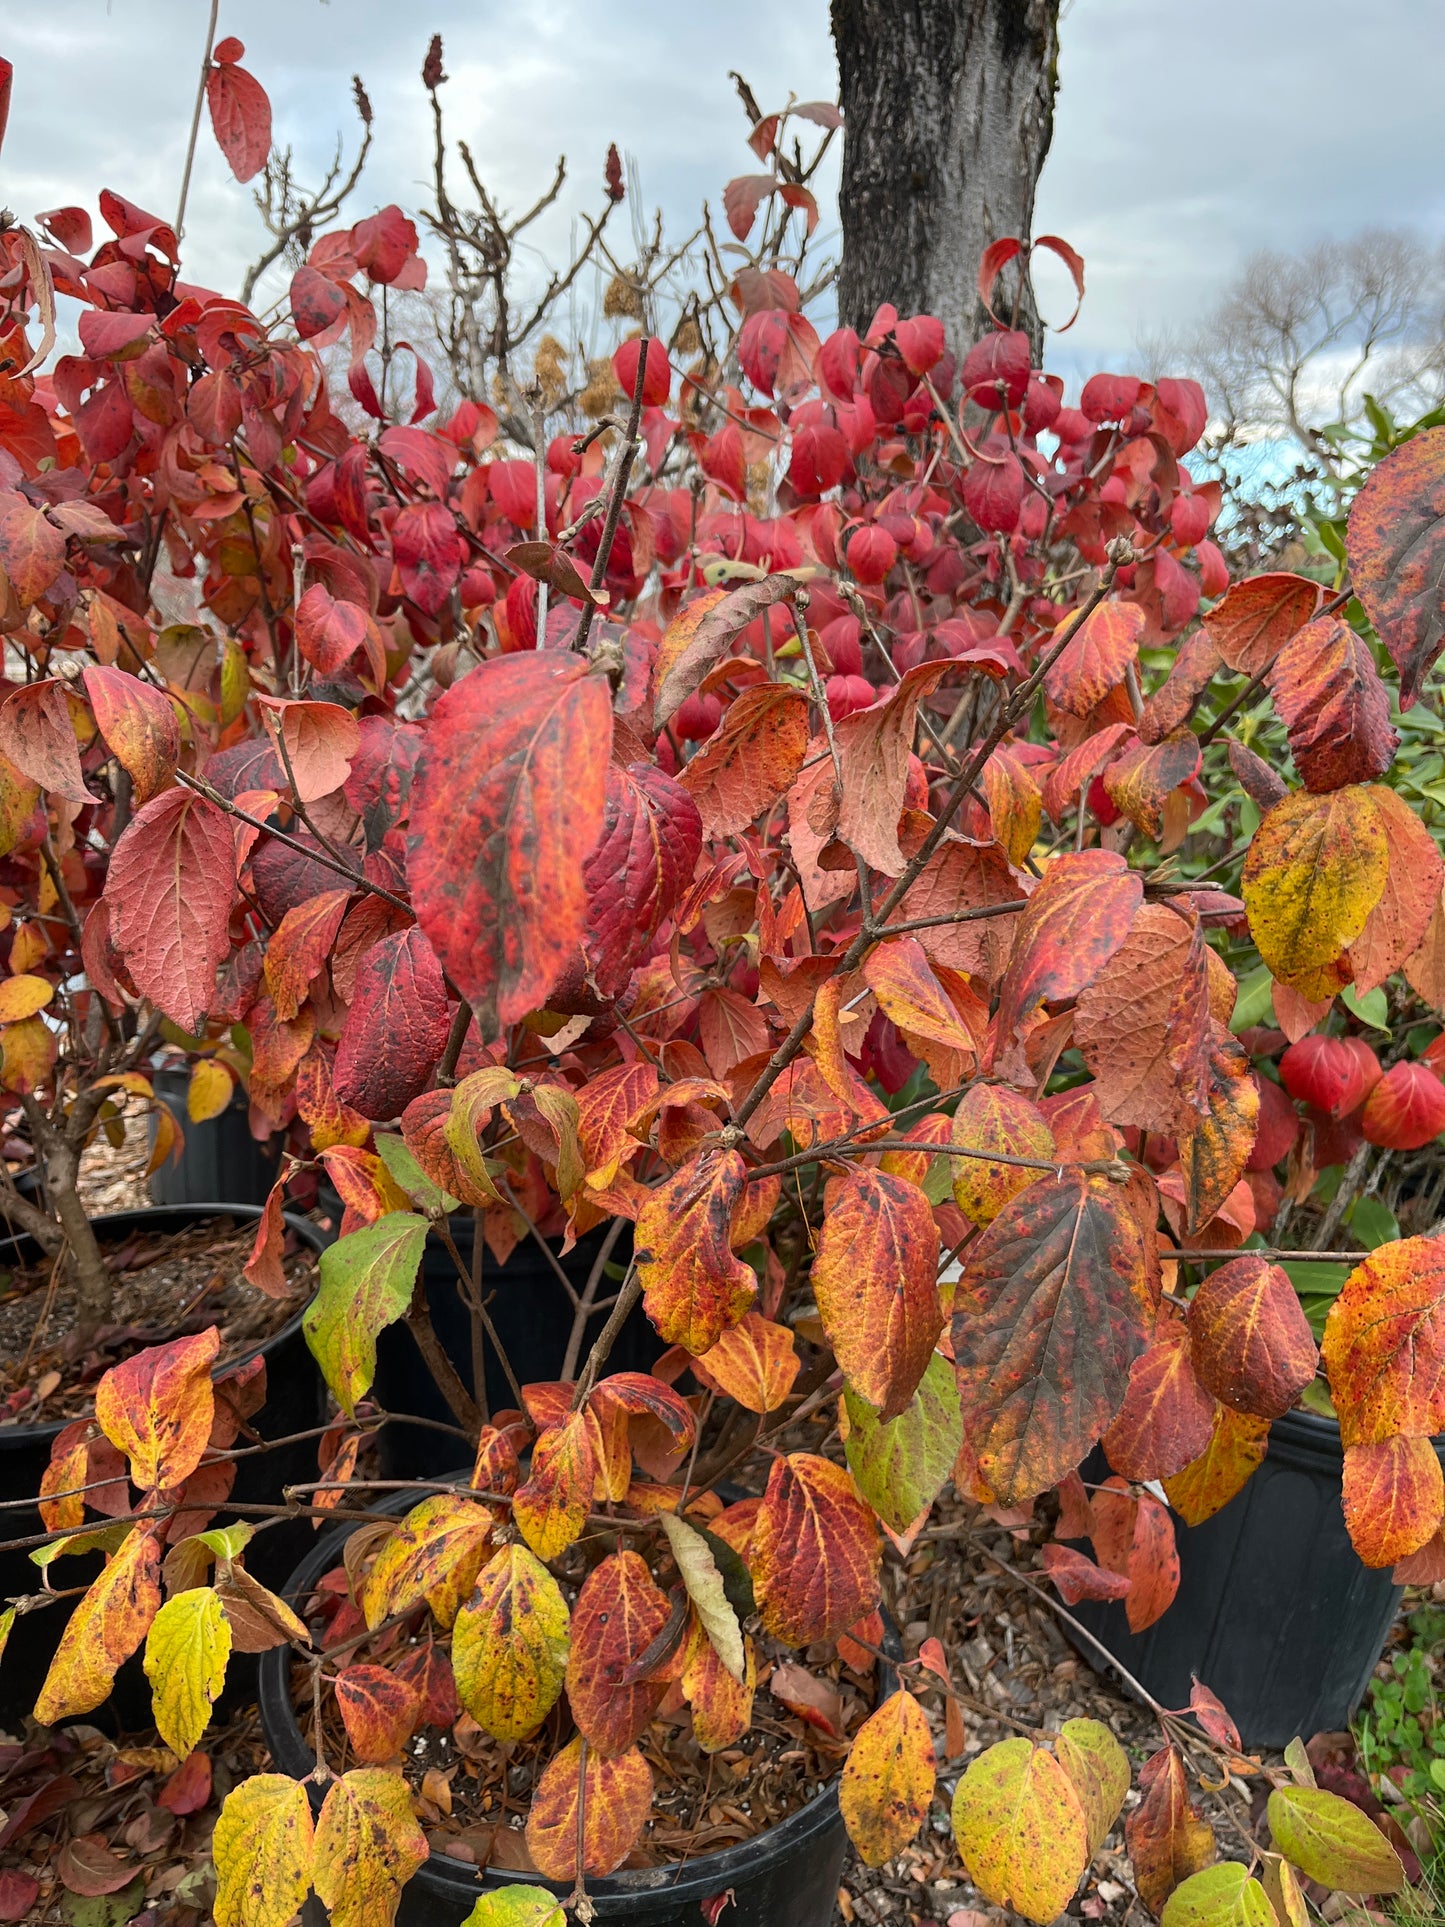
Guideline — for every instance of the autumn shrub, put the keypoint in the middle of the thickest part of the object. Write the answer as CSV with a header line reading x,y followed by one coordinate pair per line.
x,y
767,821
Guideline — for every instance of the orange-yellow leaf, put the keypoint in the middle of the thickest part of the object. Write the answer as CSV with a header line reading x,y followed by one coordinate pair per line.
x,y
368,1845
263,1852
694,1286
1394,1495
875,1279
1236,1446
109,1623
1252,1345
1313,873
616,1804
157,1408
619,1613
1384,1345
754,1363
888,1779
991,1117
1021,1829
550,1510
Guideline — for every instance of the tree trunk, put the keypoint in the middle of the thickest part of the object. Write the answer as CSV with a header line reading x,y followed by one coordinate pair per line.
x,y
948,113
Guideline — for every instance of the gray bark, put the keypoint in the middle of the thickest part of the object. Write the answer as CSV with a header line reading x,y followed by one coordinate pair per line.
x,y
948,113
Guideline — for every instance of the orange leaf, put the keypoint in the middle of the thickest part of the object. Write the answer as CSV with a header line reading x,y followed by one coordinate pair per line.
x,y
104,1630
1394,1496
874,746
1335,708
1143,1024
1167,1418
1394,547
378,1709
755,1363
751,759
1075,920
1236,1446
317,740
158,1407
1396,928
814,1553
550,1510
693,1286
1384,1346
299,948
1214,1153
875,1279
1252,1345
1097,657
990,1117
722,1707
618,1614
1256,618
616,1803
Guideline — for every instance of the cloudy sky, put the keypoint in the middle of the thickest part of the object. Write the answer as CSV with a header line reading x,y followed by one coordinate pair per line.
x,y
1189,132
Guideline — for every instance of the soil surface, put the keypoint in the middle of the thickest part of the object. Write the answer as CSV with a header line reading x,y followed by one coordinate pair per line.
x,y
163,1286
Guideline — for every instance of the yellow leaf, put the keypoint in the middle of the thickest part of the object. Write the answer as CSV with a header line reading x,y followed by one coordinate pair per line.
x,y
368,1845
510,1645
1314,872
1099,1769
1222,1896
434,1554
263,1848
1332,1841
1021,1829
22,996
104,1630
210,1090
888,1779
187,1649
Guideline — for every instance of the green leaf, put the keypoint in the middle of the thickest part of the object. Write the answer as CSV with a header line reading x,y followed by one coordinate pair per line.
x,y
406,1172
228,1542
1255,1002
104,1910
366,1285
517,1907
706,1591
1222,1896
1374,1223
900,1468
106,1538
1333,1842
1372,1009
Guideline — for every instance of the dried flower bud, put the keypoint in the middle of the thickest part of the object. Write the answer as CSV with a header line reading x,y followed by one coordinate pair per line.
x,y
431,70
613,174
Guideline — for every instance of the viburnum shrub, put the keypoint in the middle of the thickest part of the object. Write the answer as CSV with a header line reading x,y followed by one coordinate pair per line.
x,y
761,825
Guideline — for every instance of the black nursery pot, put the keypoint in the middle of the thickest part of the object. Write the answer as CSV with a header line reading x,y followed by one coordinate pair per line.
x,y
533,1317
295,1402
786,1877
1275,1612
220,1161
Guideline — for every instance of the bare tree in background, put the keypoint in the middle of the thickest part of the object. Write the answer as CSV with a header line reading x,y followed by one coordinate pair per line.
x,y
1299,340
948,114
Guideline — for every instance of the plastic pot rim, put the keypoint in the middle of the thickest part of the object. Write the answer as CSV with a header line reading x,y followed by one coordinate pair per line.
x,y
675,1882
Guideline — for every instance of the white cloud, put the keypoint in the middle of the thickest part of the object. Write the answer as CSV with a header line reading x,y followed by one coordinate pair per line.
x,y
1188,133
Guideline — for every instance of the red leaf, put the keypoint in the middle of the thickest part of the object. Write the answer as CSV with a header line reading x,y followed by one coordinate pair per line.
x,y
429,553
1406,1109
507,804
751,760
814,1552
240,117
396,1029
1334,706
1251,1343
743,197
618,1614
1395,550
875,1278
1211,1715
317,303
644,860
38,737
1167,1418
1077,1577
189,1787
329,633
139,725
169,893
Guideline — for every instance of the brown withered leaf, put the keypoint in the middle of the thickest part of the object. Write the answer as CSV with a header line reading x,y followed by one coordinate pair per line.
x,y
1166,1838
